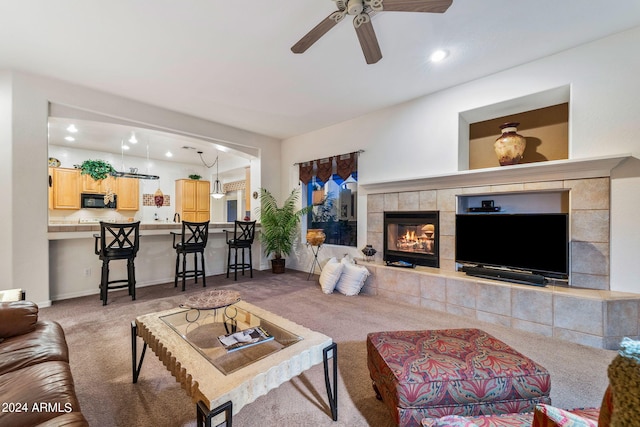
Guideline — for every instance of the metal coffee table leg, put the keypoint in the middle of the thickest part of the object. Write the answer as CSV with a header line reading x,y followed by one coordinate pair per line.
x,y
332,393
135,370
204,416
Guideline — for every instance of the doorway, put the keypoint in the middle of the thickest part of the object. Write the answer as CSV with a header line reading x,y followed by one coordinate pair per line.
x,y
232,210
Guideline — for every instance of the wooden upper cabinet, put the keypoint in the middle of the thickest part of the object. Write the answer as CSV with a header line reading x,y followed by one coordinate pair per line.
x,y
101,186
189,195
128,192
203,198
64,188
193,200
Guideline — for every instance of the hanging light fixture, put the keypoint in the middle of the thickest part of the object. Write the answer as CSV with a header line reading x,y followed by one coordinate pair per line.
x,y
218,191
132,172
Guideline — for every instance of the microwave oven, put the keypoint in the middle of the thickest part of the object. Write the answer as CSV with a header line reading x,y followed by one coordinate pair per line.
x,y
96,201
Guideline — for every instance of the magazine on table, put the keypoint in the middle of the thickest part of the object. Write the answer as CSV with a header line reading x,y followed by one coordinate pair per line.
x,y
245,338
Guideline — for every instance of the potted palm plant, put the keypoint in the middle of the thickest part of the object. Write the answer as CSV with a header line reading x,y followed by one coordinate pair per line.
x,y
279,225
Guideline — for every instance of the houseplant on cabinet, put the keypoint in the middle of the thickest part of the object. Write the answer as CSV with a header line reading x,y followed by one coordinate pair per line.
x,y
96,169
279,225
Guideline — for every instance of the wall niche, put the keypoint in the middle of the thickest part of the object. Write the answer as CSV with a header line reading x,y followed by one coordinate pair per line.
x,y
544,122
546,130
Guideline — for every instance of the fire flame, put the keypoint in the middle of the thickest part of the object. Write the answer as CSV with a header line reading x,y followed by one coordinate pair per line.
x,y
410,236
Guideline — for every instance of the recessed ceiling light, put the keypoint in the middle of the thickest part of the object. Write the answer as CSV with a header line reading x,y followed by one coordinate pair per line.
x,y
133,139
438,55
168,154
125,147
72,128
69,138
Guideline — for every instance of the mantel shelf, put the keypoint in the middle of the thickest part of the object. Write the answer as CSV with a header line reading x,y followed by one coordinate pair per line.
x,y
528,172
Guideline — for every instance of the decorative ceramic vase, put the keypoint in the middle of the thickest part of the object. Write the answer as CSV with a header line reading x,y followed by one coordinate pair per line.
x,y
510,145
315,236
368,252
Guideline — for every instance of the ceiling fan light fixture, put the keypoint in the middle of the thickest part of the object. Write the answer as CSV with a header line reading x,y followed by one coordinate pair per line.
x,y
355,7
362,22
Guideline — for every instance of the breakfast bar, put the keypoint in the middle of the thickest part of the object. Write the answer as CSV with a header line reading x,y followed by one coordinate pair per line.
x,y
74,269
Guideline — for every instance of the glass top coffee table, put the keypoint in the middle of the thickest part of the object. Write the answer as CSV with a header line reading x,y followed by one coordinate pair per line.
x,y
221,381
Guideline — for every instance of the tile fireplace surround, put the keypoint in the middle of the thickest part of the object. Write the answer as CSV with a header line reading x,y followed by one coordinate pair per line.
x,y
587,312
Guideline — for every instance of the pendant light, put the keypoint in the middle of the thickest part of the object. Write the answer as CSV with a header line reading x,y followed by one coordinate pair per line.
x,y
218,191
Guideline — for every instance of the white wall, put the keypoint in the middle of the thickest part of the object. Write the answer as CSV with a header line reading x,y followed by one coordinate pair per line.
x,y
6,193
23,186
420,138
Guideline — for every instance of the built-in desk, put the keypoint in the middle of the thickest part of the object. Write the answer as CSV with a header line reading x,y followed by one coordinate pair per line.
x,y
74,268
591,317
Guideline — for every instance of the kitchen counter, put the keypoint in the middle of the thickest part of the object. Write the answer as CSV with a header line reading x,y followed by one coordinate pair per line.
x,y
77,231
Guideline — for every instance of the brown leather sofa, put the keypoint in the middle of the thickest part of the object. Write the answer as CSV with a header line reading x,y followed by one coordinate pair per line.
x,y
36,385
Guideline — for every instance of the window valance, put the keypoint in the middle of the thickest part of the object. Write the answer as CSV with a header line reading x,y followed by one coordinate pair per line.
x,y
322,169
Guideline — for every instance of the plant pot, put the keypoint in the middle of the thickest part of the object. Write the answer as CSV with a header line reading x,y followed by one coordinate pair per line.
x,y
277,265
315,236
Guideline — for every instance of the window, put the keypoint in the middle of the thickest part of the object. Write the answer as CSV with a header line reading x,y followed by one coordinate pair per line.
x,y
334,198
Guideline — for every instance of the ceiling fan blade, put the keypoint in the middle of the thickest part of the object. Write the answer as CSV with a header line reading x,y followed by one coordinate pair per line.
x,y
367,38
318,31
433,6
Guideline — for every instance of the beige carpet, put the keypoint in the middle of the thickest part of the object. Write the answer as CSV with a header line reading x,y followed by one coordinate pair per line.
x,y
100,348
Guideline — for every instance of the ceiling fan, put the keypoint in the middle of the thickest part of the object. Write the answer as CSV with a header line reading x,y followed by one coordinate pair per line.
x,y
361,11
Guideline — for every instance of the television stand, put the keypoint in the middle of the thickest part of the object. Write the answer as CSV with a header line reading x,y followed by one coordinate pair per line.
x,y
506,275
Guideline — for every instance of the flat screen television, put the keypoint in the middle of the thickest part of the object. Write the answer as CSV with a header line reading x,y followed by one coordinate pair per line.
x,y
535,243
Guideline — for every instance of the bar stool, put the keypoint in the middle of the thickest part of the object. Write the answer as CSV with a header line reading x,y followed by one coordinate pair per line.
x,y
240,238
116,242
193,240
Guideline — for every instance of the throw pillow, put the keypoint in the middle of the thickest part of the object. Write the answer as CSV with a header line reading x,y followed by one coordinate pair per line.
x,y
330,275
624,378
550,416
11,295
352,278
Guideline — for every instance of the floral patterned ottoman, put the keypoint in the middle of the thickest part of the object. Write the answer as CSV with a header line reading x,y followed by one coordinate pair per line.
x,y
464,372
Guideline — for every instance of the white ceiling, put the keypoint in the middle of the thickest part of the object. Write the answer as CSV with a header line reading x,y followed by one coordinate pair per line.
x,y
151,144
230,61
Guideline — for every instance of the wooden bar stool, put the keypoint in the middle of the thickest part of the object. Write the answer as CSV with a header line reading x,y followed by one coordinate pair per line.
x,y
116,242
193,240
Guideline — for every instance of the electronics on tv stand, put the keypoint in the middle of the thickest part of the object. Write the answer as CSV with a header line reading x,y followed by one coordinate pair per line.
x,y
489,209
487,206
505,275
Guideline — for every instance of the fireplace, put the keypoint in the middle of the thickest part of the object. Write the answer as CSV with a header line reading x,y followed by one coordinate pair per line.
x,y
412,238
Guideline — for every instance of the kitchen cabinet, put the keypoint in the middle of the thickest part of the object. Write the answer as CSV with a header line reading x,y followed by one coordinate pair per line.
x,y
193,200
100,186
128,192
64,188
